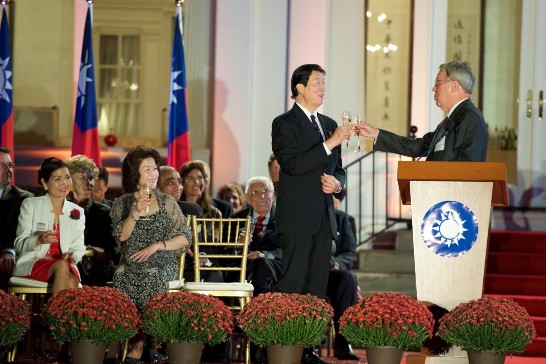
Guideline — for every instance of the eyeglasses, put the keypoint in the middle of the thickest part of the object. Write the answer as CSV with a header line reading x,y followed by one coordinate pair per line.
x,y
8,165
260,193
439,82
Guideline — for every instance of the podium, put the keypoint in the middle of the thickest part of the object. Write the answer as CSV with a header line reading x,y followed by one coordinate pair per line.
x,y
451,211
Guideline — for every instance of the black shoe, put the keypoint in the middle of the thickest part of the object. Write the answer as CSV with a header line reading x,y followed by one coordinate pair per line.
x,y
261,356
345,353
309,357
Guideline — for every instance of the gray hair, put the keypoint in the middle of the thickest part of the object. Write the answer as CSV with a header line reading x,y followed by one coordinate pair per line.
x,y
460,72
259,179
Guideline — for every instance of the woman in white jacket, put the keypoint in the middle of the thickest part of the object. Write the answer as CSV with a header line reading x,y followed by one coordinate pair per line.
x,y
50,239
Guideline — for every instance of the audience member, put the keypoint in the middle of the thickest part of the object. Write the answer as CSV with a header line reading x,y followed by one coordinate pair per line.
x,y
150,229
11,198
97,265
233,194
265,251
225,208
171,184
46,254
100,188
462,136
342,283
274,169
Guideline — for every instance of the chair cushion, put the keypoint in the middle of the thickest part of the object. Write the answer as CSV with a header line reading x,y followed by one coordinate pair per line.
x,y
176,284
217,286
26,282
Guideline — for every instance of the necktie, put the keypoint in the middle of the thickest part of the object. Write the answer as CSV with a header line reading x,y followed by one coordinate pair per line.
x,y
315,125
257,233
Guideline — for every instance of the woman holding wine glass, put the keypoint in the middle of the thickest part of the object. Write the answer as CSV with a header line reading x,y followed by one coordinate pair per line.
x,y
50,238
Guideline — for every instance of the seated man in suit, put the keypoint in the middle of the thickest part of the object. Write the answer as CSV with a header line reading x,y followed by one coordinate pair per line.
x,y
264,252
11,198
342,283
100,187
171,184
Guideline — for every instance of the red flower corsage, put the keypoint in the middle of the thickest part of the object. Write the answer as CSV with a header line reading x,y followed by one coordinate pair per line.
x,y
75,214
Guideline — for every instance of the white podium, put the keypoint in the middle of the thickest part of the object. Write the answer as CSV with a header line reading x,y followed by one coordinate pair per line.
x,y
451,210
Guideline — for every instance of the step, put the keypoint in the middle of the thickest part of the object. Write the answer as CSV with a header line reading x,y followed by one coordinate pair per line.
x,y
381,261
540,325
536,348
515,284
535,305
404,240
517,241
386,282
516,263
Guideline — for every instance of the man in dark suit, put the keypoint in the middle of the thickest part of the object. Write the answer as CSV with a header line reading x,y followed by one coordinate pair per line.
x,y
342,283
100,187
171,184
307,147
11,198
462,136
264,252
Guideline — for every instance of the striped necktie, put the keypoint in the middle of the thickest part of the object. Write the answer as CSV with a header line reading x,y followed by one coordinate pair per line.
x,y
315,125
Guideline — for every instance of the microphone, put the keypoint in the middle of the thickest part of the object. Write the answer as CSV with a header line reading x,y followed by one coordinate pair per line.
x,y
440,133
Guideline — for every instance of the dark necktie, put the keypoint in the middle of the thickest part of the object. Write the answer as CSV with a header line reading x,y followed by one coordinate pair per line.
x,y
258,228
315,125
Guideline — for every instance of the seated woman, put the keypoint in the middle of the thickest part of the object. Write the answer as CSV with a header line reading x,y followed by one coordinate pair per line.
x,y
97,265
50,237
233,193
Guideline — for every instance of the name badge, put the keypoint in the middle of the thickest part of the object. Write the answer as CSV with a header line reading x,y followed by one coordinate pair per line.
x,y
440,145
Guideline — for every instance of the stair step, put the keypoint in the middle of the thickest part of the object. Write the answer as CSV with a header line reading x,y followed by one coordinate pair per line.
x,y
540,326
536,348
386,282
516,263
381,261
535,305
517,241
515,284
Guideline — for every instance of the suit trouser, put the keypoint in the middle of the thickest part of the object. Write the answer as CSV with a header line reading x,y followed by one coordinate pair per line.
x,y
264,274
306,261
342,292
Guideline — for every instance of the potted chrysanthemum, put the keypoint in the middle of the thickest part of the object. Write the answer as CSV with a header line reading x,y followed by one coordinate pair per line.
x,y
387,320
14,318
186,321
280,320
493,325
91,317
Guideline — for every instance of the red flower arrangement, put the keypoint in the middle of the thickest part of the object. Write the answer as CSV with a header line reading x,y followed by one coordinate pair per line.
x,y
187,317
14,318
100,314
75,214
387,319
493,324
285,319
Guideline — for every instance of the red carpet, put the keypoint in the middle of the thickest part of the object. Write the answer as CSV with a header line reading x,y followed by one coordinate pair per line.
x,y
516,268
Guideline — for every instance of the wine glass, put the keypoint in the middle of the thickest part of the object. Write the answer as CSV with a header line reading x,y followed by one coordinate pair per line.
x,y
148,193
355,122
346,119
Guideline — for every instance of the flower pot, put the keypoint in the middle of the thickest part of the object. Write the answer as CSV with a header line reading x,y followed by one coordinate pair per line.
x,y
485,357
383,355
184,353
87,352
284,354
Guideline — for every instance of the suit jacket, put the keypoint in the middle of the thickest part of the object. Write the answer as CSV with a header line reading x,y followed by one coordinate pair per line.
x,y
301,155
10,204
270,243
465,138
345,254
38,209
189,208
225,208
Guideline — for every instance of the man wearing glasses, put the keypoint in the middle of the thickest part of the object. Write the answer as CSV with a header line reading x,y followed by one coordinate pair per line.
x,y
462,136
11,198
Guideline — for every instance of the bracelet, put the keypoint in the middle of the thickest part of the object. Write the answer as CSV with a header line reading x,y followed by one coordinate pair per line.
x,y
132,216
164,245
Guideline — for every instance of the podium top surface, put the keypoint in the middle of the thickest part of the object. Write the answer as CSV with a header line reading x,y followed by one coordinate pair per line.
x,y
454,171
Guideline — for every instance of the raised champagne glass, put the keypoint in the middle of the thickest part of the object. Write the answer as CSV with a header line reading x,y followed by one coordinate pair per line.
x,y
346,119
355,122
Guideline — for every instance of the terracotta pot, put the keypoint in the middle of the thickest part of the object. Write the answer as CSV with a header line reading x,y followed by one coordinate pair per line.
x,y
184,353
87,352
383,355
485,357
284,354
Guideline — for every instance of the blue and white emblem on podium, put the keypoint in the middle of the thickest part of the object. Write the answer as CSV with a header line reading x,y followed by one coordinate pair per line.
x,y
449,229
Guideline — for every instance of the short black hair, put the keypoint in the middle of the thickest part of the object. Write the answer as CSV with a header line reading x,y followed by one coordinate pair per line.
x,y
48,166
301,75
103,174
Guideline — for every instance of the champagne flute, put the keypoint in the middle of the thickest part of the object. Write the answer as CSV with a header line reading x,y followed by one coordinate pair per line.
x,y
355,122
148,193
346,119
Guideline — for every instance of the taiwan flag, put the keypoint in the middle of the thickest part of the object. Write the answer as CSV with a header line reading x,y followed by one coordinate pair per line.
x,y
179,136
85,139
6,90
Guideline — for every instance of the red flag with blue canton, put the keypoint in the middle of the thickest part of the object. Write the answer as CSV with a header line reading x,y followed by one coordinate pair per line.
x,y
179,136
85,139
6,90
